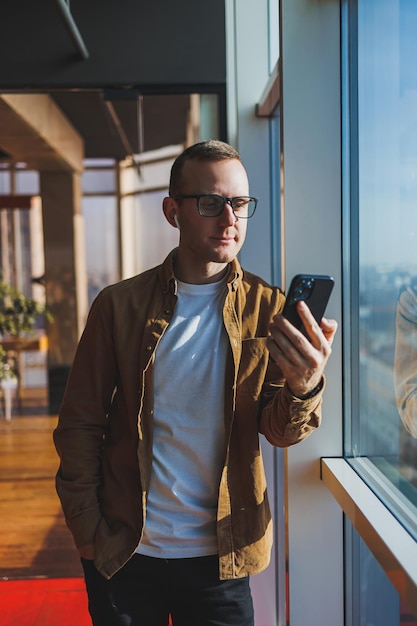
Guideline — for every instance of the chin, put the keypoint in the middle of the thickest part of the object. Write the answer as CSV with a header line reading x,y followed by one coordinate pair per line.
x,y
225,254
224,258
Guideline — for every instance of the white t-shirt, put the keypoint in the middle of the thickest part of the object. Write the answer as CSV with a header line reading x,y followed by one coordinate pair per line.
x,y
189,435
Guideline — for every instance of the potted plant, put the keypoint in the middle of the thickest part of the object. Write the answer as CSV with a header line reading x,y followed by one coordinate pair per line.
x,y
18,314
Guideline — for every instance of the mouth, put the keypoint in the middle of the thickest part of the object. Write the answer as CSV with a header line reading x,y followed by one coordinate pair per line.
x,y
224,238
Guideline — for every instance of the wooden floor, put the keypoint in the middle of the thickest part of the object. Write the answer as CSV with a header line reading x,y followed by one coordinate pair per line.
x,y
34,540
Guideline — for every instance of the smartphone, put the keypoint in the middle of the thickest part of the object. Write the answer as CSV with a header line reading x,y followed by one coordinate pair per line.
x,y
315,290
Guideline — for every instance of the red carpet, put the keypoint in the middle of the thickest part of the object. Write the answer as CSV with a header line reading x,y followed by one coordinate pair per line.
x,y
44,602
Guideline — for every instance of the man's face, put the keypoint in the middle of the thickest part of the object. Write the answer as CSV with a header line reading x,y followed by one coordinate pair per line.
x,y
211,240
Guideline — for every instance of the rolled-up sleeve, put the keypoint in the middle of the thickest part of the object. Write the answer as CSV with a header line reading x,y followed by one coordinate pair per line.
x,y
285,419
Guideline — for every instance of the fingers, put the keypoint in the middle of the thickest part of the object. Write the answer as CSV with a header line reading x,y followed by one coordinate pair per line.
x,y
294,352
289,339
329,328
285,342
301,364
301,359
286,336
310,324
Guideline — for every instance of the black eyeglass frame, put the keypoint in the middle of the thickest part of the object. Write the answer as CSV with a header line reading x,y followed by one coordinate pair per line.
x,y
225,199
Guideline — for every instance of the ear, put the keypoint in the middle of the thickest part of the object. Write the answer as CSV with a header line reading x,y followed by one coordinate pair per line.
x,y
170,208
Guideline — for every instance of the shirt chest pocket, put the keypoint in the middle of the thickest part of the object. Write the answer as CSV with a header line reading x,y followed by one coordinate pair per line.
x,y
253,366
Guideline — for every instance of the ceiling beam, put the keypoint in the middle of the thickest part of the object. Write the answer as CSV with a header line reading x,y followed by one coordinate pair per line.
x,y
34,130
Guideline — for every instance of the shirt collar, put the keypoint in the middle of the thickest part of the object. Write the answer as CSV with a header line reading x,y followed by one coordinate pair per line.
x,y
169,282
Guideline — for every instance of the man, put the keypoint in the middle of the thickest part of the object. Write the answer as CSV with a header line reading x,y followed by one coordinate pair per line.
x,y
178,370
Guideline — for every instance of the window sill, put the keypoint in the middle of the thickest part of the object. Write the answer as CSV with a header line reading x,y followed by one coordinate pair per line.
x,y
393,547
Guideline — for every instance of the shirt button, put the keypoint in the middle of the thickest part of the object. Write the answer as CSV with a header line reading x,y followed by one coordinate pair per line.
x,y
148,348
167,311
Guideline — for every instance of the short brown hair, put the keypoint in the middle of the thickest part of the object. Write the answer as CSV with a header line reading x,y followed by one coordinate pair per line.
x,y
210,150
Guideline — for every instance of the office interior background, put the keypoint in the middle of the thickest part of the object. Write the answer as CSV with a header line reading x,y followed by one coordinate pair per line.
x,y
320,99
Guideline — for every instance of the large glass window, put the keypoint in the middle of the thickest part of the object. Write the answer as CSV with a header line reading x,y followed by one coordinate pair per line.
x,y
384,264
99,183
154,237
101,237
381,259
16,241
22,266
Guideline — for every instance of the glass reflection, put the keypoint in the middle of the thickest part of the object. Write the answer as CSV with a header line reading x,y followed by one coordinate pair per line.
x,y
405,364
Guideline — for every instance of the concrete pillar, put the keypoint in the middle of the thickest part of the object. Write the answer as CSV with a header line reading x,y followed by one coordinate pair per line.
x,y
64,264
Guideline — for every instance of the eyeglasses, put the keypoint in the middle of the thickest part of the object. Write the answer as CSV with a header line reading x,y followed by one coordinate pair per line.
x,y
212,205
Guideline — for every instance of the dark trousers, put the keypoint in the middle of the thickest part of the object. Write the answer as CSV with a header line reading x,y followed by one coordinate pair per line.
x,y
147,590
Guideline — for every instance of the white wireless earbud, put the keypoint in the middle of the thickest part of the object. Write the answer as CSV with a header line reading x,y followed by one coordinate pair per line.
x,y
177,222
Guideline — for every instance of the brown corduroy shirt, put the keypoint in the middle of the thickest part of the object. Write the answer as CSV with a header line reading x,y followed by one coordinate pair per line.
x,y
104,433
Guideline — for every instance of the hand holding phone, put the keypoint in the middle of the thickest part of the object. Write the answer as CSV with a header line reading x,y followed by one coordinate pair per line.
x,y
303,374
314,290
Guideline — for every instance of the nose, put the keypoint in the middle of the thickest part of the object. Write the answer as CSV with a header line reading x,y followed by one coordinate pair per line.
x,y
227,216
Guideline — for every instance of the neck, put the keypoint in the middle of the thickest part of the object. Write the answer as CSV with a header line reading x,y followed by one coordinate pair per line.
x,y
211,273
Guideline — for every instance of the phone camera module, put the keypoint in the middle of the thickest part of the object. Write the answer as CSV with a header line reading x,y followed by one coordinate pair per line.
x,y
303,289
